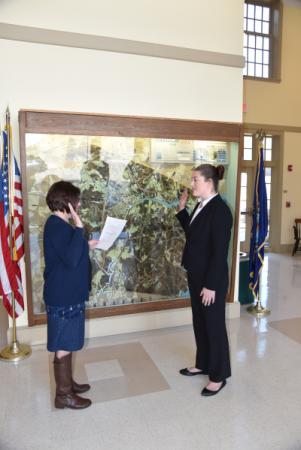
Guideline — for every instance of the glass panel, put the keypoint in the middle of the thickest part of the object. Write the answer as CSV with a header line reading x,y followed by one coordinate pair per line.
x,y
259,42
245,70
265,72
248,154
251,69
246,53
266,14
266,44
268,155
245,24
252,41
268,142
251,10
251,56
265,27
243,194
258,56
245,40
258,70
138,179
258,12
250,25
258,26
243,205
243,179
266,57
248,141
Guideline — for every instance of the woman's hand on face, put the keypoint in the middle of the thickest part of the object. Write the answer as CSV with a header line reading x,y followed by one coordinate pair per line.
x,y
183,199
93,244
75,217
208,296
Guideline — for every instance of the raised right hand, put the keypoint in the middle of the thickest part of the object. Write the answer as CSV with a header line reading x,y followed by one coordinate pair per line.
x,y
75,217
183,199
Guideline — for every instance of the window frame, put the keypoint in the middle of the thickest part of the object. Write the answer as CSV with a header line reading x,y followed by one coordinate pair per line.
x,y
276,12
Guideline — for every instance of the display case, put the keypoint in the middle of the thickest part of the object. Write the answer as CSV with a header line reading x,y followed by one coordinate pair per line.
x,y
128,176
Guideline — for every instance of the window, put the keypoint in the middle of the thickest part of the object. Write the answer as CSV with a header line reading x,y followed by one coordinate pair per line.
x,y
261,40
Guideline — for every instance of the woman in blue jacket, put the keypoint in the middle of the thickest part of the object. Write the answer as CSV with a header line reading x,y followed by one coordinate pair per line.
x,y
66,288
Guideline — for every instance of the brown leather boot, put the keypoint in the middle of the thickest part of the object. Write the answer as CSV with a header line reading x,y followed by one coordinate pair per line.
x,y
65,397
79,388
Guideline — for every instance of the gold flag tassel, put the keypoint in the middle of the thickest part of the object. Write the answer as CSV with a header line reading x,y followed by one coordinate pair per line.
x,y
14,352
257,309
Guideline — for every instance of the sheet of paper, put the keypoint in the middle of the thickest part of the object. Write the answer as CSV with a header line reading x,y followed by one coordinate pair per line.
x,y
110,232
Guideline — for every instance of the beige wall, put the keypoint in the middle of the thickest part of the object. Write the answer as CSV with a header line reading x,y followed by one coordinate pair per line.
x,y
279,105
54,77
291,185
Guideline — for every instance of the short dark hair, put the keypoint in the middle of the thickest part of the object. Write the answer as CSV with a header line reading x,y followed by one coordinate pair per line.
x,y
210,172
60,194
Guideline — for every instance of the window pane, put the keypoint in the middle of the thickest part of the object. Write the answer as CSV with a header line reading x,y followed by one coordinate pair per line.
x,y
268,142
266,14
243,205
246,53
245,40
245,10
266,44
259,42
251,69
243,179
268,155
258,70
258,12
250,25
251,11
265,27
245,71
252,41
258,26
243,194
265,73
248,141
268,172
245,24
247,154
251,55
266,56
258,56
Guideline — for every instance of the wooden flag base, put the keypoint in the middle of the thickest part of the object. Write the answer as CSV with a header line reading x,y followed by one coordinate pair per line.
x,y
15,352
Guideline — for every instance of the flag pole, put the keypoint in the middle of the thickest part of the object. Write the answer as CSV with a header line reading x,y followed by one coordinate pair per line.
x,y
15,351
257,309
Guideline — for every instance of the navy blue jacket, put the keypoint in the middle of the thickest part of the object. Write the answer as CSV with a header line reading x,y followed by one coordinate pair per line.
x,y
67,264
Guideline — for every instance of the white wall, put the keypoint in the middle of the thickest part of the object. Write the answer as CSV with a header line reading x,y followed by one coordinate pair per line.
x,y
38,76
215,26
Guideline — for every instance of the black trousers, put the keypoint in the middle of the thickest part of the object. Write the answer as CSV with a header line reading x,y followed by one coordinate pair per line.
x,y
212,355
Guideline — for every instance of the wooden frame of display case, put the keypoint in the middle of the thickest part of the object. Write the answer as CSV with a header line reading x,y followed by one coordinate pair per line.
x,y
56,122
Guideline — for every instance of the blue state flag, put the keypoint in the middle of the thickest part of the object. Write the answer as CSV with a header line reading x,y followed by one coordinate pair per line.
x,y
259,229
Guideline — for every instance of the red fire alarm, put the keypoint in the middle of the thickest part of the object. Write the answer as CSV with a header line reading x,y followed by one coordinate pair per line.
x,y
290,167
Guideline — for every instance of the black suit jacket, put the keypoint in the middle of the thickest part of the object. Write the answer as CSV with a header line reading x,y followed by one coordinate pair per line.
x,y
207,244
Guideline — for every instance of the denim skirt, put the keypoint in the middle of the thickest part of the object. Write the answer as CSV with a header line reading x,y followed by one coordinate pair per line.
x,y
65,327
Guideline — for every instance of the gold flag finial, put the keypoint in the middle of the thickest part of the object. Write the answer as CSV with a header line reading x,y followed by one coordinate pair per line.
x,y
260,135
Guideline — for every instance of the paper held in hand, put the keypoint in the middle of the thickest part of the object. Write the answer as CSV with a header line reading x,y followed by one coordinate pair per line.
x,y
110,232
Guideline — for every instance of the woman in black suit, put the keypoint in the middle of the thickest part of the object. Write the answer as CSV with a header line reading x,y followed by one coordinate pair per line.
x,y
208,232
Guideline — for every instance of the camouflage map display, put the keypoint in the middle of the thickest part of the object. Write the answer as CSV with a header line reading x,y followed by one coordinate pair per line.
x,y
128,178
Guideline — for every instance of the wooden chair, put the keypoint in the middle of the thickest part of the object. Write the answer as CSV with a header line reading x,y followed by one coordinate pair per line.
x,y
297,236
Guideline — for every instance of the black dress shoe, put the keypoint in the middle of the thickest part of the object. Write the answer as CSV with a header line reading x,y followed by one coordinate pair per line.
x,y
208,393
187,372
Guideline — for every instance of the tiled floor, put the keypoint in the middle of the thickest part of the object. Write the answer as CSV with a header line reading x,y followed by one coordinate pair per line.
x,y
142,403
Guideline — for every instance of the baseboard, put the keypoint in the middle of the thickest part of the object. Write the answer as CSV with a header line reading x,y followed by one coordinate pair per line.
x,y
107,326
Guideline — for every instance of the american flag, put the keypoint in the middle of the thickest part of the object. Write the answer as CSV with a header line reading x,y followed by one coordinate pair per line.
x,y
10,273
